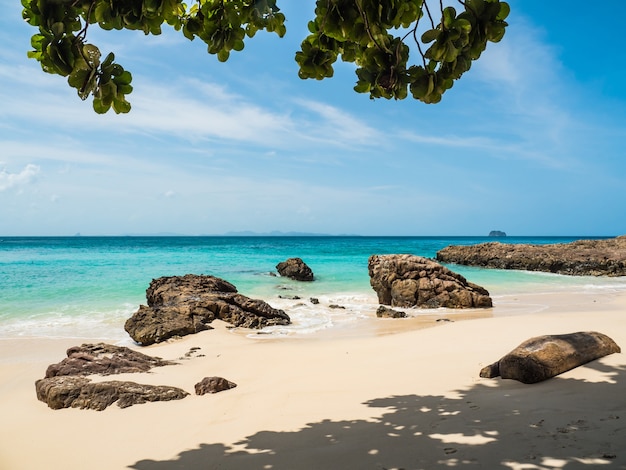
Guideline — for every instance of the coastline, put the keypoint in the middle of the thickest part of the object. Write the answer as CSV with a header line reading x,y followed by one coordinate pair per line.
x,y
380,394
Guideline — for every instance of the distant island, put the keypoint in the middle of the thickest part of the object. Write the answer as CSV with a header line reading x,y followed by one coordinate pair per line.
x,y
497,233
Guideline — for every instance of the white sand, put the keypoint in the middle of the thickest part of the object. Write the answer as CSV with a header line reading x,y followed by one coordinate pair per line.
x,y
377,398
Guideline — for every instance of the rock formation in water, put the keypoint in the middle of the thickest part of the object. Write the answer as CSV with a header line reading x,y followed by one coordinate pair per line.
x,y
581,258
414,281
295,268
183,305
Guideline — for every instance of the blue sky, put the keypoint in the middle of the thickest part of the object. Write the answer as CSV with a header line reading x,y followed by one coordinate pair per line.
x,y
529,141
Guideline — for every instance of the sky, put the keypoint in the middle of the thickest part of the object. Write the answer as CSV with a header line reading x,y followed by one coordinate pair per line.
x,y
530,141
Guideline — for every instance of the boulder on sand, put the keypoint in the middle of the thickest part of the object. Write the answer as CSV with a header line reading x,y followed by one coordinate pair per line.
x,y
543,357
415,281
183,305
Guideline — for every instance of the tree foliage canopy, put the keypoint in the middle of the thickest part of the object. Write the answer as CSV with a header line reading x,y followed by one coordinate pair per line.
x,y
375,35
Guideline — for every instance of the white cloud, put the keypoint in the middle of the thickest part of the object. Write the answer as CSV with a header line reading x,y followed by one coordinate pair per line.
x,y
10,180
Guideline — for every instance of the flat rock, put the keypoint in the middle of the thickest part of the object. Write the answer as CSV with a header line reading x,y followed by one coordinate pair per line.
x,y
183,305
103,359
386,312
415,281
579,258
80,392
295,268
543,357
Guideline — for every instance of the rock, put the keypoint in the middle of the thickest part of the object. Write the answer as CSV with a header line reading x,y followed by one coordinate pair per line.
x,y
183,305
314,300
213,385
414,281
543,357
295,268
336,306
79,392
103,359
386,312
497,233
579,258
66,385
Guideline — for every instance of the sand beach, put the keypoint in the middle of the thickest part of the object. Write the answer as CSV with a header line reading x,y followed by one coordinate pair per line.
x,y
384,394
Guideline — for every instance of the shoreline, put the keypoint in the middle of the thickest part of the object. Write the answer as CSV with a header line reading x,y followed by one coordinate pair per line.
x,y
381,394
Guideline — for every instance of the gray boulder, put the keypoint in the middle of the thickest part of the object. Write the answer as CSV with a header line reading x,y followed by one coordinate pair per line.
x,y
415,281
183,305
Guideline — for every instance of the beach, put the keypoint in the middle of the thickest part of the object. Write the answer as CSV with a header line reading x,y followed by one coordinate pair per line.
x,y
380,394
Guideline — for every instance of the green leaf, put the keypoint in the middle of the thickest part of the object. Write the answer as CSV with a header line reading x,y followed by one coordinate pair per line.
x,y
430,35
505,9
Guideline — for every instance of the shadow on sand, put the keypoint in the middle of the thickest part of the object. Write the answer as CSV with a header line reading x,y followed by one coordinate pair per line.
x,y
562,423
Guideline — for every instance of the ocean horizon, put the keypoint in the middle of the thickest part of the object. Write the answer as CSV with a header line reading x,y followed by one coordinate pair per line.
x,y
87,286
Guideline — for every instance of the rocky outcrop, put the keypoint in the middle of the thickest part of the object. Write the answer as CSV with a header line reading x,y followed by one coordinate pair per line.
x,y
497,233
414,281
103,359
183,305
543,357
66,385
213,385
295,268
80,392
579,258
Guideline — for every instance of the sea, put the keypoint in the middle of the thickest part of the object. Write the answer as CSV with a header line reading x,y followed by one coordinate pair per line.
x,y
86,287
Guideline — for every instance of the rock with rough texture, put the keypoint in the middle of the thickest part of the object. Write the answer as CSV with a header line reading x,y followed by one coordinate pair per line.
x,y
543,357
414,281
79,392
386,312
104,359
66,385
578,258
213,385
295,268
183,305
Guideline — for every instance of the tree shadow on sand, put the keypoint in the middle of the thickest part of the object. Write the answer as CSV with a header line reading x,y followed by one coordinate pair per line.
x,y
436,432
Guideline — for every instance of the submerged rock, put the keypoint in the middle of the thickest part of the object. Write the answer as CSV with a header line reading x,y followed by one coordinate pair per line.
x,y
578,258
543,357
295,268
183,305
414,281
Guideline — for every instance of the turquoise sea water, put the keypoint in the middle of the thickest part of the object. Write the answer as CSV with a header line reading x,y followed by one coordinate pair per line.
x,y
88,286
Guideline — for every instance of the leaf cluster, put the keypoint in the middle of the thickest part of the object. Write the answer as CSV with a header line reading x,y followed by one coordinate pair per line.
x,y
367,33
378,36
61,48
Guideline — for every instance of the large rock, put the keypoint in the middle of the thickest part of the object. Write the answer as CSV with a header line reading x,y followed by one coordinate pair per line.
x,y
182,305
414,281
66,385
103,359
543,357
580,258
295,268
80,392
